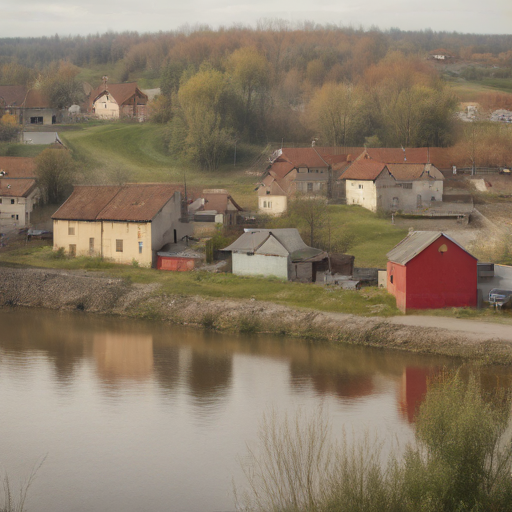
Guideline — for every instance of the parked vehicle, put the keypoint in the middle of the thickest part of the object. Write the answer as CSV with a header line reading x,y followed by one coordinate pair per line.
x,y
498,297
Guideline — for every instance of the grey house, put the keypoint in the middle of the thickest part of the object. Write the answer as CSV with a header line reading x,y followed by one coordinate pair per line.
x,y
275,252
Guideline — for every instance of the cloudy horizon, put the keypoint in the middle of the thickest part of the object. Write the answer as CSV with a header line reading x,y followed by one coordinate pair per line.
x,y
35,18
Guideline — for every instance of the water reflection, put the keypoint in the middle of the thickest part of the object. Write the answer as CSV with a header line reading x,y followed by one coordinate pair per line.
x,y
186,403
123,356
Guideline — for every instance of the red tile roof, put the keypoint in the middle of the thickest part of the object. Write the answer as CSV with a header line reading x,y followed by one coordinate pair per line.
x,y
16,187
364,169
18,166
12,95
408,171
281,169
308,157
36,99
399,156
132,202
218,199
120,92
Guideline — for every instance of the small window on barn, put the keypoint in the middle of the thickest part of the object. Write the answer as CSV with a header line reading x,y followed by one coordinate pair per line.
x,y
72,249
119,246
140,247
12,201
360,186
407,185
91,245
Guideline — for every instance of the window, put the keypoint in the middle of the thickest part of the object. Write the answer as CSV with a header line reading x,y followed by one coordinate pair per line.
x,y
391,278
71,229
310,187
14,217
36,120
91,245
270,204
119,246
12,201
140,247
0,200
264,204
360,186
433,198
407,186
72,249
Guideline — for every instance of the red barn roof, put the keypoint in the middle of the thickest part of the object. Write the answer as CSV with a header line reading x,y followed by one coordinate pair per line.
x,y
364,169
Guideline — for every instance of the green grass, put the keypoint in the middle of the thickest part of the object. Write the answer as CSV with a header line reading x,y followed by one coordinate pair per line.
x,y
370,302
30,150
140,150
372,237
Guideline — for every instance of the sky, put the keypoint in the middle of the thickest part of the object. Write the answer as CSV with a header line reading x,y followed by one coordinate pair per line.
x,y
23,18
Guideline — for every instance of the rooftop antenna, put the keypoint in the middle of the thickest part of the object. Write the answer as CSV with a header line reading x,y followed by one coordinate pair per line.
x,y
104,78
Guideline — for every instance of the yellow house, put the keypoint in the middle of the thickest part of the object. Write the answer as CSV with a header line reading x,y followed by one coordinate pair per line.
x,y
122,223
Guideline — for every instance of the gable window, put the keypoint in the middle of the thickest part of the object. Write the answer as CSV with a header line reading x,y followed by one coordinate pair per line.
x,y
119,246
12,201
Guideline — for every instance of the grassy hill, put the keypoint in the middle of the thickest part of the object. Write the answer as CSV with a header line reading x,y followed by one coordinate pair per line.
x,y
138,152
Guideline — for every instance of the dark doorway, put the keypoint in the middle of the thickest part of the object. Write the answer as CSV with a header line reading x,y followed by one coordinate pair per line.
x,y
54,119
175,237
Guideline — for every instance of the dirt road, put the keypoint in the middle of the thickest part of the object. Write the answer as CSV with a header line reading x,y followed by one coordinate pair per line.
x,y
468,328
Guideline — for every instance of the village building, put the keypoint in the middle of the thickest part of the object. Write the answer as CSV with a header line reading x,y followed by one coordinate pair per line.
x,y
29,106
216,205
275,252
304,171
114,101
394,186
441,54
430,270
18,191
123,223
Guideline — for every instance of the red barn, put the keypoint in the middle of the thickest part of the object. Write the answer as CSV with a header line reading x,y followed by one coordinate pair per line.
x,y
429,270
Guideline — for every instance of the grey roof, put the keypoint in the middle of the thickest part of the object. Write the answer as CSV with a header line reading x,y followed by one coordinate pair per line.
x,y
414,243
254,240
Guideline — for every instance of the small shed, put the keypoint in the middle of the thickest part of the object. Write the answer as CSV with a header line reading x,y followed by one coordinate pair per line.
x,y
430,270
275,252
178,258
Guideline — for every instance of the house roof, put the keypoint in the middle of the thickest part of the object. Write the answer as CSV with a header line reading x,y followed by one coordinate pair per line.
x,y
132,202
363,169
280,242
398,155
414,244
13,95
403,172
17,187
36,99
281,168
120,92
303,157
18,166
219,199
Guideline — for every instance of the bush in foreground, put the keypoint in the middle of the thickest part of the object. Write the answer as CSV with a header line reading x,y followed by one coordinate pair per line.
x,y
461,461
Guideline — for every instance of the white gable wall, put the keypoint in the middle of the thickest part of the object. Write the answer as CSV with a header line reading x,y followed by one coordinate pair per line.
x,y
106,107
260,265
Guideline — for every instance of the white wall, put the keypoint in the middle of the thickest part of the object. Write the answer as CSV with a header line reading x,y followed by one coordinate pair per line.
x,y
259,264
272,205
106,107
363,193
17,215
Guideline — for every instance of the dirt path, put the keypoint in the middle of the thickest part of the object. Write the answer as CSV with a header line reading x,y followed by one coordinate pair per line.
x,y
468,328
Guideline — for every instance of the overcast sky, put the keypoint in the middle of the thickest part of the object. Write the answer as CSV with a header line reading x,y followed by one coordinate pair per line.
x,y
70,17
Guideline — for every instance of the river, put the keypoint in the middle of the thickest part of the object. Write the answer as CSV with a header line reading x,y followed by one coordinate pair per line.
x,y
134,415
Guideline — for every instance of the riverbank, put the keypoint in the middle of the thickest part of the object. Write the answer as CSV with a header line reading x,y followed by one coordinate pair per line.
x,y
90,291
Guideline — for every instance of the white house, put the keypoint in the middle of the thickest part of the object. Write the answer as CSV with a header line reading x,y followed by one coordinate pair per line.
x,y
275,252
18,191
378,186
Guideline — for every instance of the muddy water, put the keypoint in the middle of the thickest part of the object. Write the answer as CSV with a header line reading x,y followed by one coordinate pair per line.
x,y
137,416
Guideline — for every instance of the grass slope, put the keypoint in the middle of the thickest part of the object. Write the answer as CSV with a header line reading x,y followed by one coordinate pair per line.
x,y
139,149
